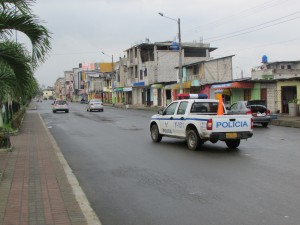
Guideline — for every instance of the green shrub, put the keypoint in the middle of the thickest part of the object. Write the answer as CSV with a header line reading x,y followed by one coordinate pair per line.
x,y
4,139
17,118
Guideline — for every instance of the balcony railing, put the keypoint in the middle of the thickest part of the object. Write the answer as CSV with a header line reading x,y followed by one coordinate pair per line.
x,y
192,77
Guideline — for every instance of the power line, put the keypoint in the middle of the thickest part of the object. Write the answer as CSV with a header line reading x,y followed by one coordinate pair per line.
x,y
261,46
232,34
214,40
247,12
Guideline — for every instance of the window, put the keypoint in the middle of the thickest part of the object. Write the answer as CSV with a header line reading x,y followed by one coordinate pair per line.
x,y
171,109
289,67
241,105
135,72
141,74
145,72
182,108
205,107
198,107
195,69
282,67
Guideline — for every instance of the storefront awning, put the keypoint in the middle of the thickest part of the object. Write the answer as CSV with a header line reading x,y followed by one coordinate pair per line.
x,y
118,89
157,86
139,84
184,85
126,89
233,85
177,85
223,91
169,86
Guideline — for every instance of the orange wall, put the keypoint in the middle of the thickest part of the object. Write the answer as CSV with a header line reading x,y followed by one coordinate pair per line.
x,y
106,67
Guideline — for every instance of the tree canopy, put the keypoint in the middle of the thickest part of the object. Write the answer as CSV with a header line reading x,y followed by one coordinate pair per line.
x,y
17,64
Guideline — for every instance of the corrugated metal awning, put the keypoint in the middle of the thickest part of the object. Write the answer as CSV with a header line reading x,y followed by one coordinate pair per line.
x,y
233,85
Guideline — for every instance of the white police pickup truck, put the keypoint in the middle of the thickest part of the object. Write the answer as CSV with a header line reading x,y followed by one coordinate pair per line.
x,y
200,120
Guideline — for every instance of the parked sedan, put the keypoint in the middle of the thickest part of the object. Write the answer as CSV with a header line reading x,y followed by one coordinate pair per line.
x,y
60,105
95,105
257,108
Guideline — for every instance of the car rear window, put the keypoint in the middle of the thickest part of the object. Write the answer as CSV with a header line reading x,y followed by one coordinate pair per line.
x,y
96,101
204,107
61,102
257,102
258,108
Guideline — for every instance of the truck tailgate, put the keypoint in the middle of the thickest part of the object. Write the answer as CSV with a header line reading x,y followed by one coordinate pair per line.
x,y
232,123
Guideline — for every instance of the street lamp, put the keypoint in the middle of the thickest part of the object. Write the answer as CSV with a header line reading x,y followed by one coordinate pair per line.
x,y
112,61
112,75
180,48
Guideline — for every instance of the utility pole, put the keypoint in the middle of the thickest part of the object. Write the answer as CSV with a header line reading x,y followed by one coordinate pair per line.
x,y
179,51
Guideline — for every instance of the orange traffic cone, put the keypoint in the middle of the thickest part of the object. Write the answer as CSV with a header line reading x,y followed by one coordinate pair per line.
x,y
220,107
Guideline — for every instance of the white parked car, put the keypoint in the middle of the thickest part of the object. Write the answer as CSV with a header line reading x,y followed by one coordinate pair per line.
x,y
95,105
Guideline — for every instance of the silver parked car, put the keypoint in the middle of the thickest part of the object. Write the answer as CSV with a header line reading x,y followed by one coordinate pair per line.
x,y
60,105
257,108
95,105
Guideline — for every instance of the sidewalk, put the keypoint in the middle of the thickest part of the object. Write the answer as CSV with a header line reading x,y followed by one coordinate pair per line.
x,y
286,121
37,186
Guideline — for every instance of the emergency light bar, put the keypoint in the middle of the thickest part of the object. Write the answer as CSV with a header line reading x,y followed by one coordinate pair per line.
x,y
192,96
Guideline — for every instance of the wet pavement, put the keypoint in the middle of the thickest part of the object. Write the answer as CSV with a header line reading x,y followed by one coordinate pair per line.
x,y
38,187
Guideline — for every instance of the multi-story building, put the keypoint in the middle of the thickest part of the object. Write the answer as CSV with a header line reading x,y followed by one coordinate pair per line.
x,y
97,80
123,88
201,75
48,93
69,84
151,66
59,88
279,83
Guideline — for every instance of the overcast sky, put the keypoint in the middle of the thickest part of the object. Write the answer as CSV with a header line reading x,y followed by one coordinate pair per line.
x,y
248,29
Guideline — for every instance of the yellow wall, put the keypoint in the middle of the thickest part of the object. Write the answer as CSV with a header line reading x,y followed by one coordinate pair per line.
x,y
47,94
281,84
106,67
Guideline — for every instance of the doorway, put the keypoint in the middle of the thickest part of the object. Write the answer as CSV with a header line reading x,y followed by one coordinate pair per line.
x,y
287,93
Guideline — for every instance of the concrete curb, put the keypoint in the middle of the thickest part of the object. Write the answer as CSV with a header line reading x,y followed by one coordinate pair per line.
x,y
2,171
80,196
285,123
10,149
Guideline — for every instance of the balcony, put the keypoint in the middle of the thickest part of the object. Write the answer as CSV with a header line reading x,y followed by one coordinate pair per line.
x,y
192,77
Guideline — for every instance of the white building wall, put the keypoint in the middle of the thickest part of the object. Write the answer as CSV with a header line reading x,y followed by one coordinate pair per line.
x,y
271,95
136,95
166,63
218,70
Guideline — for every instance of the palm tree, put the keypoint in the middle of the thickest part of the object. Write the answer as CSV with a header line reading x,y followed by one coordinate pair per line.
x,y
16,63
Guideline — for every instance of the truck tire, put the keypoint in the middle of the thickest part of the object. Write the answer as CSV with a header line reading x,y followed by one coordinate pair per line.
x,y
233,144
193,140
265,124
155,135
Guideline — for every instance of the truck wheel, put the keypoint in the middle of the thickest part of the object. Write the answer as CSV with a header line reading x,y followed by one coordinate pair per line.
x,y
155,135
193,140
265,124
232,144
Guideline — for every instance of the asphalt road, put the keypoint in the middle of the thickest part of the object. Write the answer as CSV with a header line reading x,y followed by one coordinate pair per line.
x,y
130,180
